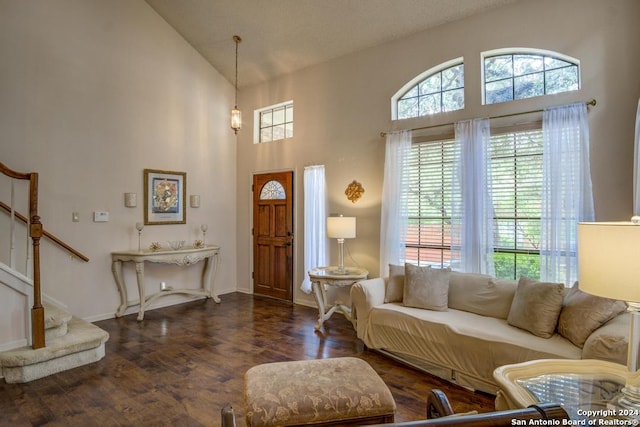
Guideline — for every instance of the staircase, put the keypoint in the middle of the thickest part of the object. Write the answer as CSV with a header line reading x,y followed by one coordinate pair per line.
x,y
71,342
56,340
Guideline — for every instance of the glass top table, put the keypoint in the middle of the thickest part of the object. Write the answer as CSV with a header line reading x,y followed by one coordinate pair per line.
x,y
587,389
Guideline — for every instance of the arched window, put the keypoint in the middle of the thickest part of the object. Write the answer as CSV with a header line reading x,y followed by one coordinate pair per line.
x,y
272,190
436,90
524,73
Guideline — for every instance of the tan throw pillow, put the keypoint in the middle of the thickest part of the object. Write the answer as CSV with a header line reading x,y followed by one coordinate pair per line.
x,y
481,294
395,284
583,313
426,287
536,306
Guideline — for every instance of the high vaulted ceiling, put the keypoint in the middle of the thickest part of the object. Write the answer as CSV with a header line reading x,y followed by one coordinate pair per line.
x,y
282,36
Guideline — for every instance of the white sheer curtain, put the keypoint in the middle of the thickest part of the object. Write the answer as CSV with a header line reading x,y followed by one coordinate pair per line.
x,y
636,166
566,190
315,229
393,221
472,204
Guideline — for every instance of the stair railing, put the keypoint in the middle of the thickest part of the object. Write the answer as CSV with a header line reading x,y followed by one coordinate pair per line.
x,y
35,232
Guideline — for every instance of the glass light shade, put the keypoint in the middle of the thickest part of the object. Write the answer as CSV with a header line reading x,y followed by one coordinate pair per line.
x,y
608,259
236,119
341,227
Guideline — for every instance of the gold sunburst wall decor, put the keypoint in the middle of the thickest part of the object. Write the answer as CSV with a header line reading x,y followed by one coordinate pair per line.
x,y
354,191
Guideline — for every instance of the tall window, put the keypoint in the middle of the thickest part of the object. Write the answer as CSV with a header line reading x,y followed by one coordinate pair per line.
x,y
442,89
519,75
274,123
516,164
516,167
428,238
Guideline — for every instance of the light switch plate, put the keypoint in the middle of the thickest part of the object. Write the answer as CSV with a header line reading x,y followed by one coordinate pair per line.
x,y
101,216
75,217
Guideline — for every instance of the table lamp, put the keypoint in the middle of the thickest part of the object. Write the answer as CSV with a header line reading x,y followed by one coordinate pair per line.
x,y
341,227
608,266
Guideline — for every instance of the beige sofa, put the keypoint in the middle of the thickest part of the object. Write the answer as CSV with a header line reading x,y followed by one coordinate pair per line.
x,y
464,340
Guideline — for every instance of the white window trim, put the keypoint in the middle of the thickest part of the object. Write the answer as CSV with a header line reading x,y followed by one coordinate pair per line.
x,y
524,50
256,118
417,79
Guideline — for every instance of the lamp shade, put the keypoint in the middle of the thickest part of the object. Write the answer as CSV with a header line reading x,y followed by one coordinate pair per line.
x,y
609,259
341,227
236,119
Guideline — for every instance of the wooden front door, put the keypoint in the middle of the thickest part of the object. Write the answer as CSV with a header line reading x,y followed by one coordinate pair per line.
x,y
273,235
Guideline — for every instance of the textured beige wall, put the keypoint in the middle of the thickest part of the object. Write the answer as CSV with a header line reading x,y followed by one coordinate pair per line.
x,y
341,107
91,93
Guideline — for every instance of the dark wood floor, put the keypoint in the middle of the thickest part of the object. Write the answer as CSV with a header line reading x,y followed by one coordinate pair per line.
x,y
181,364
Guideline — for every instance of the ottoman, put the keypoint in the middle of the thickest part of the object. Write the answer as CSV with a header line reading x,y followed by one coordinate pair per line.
x,y
338,391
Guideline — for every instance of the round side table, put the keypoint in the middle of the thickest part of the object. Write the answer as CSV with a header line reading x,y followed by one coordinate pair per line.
x,y
321,278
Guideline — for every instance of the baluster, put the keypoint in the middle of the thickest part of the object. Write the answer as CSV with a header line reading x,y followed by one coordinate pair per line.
x,y
12,228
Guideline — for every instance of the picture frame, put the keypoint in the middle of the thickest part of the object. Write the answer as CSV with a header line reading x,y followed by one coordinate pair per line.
x,y
164,197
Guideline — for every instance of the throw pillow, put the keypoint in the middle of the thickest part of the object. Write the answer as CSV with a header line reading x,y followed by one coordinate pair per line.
x,y
583,313
426,287
481,294
536,306
395,284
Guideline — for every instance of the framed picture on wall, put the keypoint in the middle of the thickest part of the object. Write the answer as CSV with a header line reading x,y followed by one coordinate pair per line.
x,y
164,197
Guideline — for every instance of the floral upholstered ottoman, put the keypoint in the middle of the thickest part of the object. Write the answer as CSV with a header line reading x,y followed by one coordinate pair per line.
x,y
342,391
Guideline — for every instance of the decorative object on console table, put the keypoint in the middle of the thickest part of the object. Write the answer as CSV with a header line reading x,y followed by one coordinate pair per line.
x,y
321,277
176,245
608,267
204,228
341,227
139,227
164,197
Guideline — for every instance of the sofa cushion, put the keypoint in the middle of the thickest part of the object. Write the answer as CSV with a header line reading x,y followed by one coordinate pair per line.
x,y
583,313
395,284
609,342
426,287
481,294
536,306
470,345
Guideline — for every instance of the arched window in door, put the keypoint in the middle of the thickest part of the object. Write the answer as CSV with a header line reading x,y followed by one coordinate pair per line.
x,y
272,190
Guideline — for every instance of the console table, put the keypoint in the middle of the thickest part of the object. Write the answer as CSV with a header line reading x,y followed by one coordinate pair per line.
x,y
321,277
180,257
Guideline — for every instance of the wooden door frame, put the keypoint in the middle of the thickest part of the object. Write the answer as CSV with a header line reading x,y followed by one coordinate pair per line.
x,y
294,213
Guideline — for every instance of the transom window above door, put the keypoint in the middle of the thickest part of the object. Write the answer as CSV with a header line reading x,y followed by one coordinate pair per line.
x,y
273,123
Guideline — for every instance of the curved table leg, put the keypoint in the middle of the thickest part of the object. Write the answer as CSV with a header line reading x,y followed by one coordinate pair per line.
x,y
209,277
321,300
140,278
116,268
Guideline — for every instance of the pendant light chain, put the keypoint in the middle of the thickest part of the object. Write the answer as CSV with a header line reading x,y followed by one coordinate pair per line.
x,y
237,39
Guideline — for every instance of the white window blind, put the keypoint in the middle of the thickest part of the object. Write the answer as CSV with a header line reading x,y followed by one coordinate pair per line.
x,y
516,162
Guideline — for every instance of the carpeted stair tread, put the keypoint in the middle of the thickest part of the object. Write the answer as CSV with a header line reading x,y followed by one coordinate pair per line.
x,y
55,316
81,336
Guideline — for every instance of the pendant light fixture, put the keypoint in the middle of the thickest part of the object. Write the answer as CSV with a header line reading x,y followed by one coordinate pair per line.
x,y
236,115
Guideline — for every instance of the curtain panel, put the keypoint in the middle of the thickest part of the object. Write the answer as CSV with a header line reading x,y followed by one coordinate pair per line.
x,y
636,166
566,190
394,212
315,225
472,204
